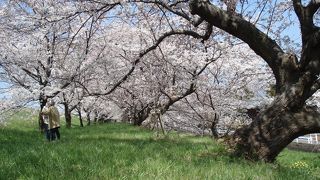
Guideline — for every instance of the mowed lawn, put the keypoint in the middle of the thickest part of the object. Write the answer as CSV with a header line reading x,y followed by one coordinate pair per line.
x,y
120,151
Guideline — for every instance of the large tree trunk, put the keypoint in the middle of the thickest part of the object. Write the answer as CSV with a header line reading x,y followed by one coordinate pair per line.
x,y
80,117
67,115
287,118
296,80
88,119
213,126
272,130
68,119
140,117
87,116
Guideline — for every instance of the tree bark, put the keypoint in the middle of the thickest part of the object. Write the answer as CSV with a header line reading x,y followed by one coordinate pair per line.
x,y
67,115
273,130
88,120
141,116
213,127
80,117
279,124
88,116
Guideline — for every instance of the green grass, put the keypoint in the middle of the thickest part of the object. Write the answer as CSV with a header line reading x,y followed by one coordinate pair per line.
x,y
120,151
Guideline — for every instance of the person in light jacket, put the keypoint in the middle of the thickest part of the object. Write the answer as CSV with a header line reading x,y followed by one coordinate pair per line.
x,y
54,119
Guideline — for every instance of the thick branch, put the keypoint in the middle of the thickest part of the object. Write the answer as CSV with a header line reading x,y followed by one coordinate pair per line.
x,y
310,52
310,57
305,16
313,6
258,41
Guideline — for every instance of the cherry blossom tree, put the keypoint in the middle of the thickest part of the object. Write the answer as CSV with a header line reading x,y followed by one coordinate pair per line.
x,y
47,45
265,26
164,77
296,74
57,43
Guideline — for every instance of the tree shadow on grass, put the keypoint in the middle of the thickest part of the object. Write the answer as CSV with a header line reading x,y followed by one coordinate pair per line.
x,y
8,135
136,149
176,150
192,154
19,151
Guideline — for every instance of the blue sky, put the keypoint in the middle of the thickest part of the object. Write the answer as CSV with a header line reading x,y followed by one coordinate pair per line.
x,y
3,85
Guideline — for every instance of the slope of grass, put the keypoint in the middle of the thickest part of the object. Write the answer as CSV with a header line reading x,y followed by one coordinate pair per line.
x,y
119,151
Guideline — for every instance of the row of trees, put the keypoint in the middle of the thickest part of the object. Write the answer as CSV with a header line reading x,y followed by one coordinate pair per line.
x,y
197,63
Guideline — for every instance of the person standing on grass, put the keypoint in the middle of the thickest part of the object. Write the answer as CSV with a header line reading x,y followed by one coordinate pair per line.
x,y
54,120
45,119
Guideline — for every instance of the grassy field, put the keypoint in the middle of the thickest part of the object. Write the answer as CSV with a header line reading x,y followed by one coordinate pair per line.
x,y
119,151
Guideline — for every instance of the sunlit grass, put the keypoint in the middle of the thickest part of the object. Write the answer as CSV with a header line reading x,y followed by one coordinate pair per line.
x,y
120,151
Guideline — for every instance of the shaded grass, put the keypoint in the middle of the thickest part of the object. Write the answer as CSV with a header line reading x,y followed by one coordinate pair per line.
x,y
120,151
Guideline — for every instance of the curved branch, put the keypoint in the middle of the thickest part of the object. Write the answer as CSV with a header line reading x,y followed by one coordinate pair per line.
x,y
313,6
31,74
172,100
310,51
305,16
258,41
143,53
